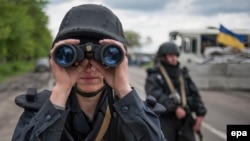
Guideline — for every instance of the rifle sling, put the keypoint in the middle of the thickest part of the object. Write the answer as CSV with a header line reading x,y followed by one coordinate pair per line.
x,y
104,126
171,86
106,120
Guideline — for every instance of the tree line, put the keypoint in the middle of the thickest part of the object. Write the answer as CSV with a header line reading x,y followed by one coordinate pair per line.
x,y
24,34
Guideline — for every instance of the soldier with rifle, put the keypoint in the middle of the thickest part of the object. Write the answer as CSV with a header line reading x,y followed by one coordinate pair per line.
x,y
173,87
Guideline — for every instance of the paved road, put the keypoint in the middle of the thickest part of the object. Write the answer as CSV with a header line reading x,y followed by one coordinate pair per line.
x,y
224,107
9,112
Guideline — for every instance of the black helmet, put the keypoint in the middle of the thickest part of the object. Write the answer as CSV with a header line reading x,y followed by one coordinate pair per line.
x,y
78,22
168,48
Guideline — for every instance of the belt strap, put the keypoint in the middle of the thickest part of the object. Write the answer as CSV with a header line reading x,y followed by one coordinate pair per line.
x,y
171,86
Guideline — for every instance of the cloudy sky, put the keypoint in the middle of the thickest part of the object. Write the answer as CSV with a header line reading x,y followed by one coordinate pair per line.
x,y
156,18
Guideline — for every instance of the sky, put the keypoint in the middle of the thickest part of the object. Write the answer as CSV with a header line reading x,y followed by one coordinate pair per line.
x,y
156,18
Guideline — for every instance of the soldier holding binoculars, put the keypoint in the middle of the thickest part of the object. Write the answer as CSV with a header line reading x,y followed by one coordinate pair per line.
x,y
92,99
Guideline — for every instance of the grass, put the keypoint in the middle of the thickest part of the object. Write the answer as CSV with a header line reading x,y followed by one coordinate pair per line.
x,y
148,65
8,70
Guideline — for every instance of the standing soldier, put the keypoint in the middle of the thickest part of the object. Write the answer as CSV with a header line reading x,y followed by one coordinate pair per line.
x,y
173,88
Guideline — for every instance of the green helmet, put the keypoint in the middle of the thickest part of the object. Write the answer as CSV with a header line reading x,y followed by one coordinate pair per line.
x,y
168,48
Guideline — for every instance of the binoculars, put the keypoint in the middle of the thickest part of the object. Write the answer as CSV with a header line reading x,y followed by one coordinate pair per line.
x,y
67,55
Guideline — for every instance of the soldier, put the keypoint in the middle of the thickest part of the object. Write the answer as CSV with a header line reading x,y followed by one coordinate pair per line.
x,y
173,88
91,100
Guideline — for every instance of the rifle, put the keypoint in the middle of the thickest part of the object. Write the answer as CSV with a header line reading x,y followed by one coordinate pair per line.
x,y
189,121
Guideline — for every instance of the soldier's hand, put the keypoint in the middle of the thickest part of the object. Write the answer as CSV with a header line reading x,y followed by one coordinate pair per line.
x,y
197,125
65,77
116,77
180,113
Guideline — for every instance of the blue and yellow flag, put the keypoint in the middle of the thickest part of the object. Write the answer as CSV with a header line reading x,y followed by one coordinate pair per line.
x,y
231,39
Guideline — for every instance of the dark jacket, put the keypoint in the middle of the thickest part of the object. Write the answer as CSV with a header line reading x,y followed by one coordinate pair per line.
x,y
41,121
156,86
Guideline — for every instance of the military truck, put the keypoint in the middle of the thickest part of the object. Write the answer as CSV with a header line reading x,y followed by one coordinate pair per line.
x,y
213,65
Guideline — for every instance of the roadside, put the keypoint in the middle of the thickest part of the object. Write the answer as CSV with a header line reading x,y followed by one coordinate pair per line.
x,y
10,112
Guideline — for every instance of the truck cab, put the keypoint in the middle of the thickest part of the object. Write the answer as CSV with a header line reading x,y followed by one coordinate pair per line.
x,y
193,43
217,70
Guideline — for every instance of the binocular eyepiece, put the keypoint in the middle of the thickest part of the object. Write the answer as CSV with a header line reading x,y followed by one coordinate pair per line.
x,y
67,55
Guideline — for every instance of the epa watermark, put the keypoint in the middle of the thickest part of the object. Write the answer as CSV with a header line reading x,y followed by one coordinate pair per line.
x,y
238,132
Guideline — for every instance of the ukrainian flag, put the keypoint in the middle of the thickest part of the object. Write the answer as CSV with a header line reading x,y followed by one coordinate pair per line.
x,y
229,38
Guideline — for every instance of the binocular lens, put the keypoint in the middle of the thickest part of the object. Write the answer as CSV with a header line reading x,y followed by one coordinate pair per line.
x,y
65,56
112,55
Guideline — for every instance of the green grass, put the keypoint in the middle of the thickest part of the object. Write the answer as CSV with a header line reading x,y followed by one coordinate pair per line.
x,y
148,65
8,70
